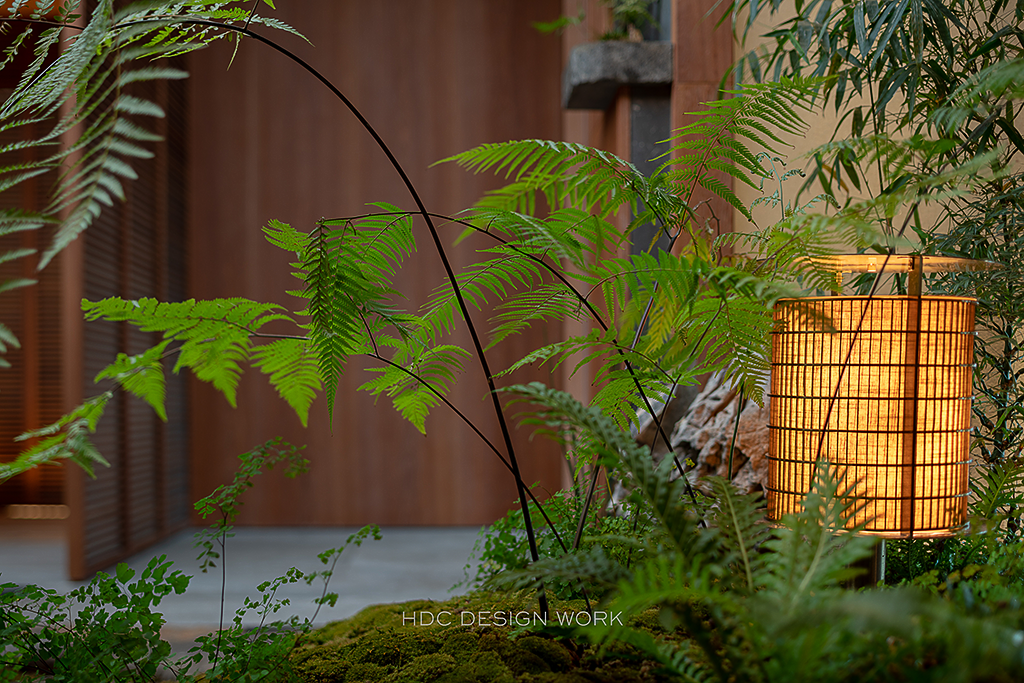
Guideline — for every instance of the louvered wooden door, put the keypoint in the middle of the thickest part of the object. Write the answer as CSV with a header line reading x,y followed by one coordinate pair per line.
x,y
30,389
135,250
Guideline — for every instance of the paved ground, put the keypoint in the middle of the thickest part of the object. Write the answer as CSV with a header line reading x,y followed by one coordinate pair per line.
x,y
409,563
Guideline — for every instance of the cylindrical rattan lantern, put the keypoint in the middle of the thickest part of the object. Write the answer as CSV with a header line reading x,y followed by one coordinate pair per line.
x,y
879,388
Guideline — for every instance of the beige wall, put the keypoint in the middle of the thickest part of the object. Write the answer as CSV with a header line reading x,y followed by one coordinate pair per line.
x,y
821,129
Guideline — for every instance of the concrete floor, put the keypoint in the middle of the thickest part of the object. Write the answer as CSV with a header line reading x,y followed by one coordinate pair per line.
x,y
407,564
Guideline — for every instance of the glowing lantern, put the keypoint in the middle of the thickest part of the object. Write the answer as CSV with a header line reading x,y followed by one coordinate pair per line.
x,y
880,388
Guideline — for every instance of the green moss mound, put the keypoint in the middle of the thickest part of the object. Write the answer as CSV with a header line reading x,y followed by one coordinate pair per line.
x,y
480,637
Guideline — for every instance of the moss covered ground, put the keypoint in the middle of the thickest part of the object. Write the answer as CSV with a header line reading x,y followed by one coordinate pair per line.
x,y
469,638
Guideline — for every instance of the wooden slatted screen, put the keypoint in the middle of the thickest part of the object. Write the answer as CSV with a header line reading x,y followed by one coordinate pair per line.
x,y
30,390
135,250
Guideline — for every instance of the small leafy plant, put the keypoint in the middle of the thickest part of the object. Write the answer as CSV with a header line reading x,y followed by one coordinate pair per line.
x,y
107,630
502,546
238,652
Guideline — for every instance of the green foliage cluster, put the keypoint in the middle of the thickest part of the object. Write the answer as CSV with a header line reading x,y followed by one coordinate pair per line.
x,y
109,629
754,602
65,439
502,546
925,87
650,315
89,84
76,122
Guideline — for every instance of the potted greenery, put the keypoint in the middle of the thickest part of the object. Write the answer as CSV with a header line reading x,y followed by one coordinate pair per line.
x,y
621,57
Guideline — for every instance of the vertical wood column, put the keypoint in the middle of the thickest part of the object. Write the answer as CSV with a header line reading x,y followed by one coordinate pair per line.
x,y
702,54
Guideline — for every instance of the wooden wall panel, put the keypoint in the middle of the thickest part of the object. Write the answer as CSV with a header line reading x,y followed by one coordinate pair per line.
x,y
435,77
702,54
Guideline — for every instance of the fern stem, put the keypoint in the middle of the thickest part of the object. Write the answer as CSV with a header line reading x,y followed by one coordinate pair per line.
x,y
740,405
586,505
741,544
629,367
223,587
483,438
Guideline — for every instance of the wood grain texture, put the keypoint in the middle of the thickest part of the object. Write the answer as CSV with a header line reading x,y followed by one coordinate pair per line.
x,y
435,78
132,250
702,54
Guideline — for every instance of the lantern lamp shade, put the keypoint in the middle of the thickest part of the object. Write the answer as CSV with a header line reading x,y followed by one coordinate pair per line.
x,y
879,388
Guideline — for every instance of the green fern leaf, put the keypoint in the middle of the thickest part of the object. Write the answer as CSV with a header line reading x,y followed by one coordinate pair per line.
x,y
293,370
215,334
619,452
417,387
718,139
995,487
740,521
65,439
816,547
142,375
602,181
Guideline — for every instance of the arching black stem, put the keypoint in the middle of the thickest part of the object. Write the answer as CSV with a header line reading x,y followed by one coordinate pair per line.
x,y
449,271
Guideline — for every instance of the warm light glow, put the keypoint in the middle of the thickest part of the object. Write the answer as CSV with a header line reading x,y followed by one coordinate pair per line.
x,y
38,511
855,385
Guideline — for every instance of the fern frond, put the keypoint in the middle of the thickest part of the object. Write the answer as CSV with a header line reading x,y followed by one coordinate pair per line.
x,y
65,439
996,487
559,351
417,386
284,236
142,375
546,302
497,277
215,334
619,452
87,90
982,93
719,139
591,568
742,528
667,578
816,547
600,180
293,370
566,234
